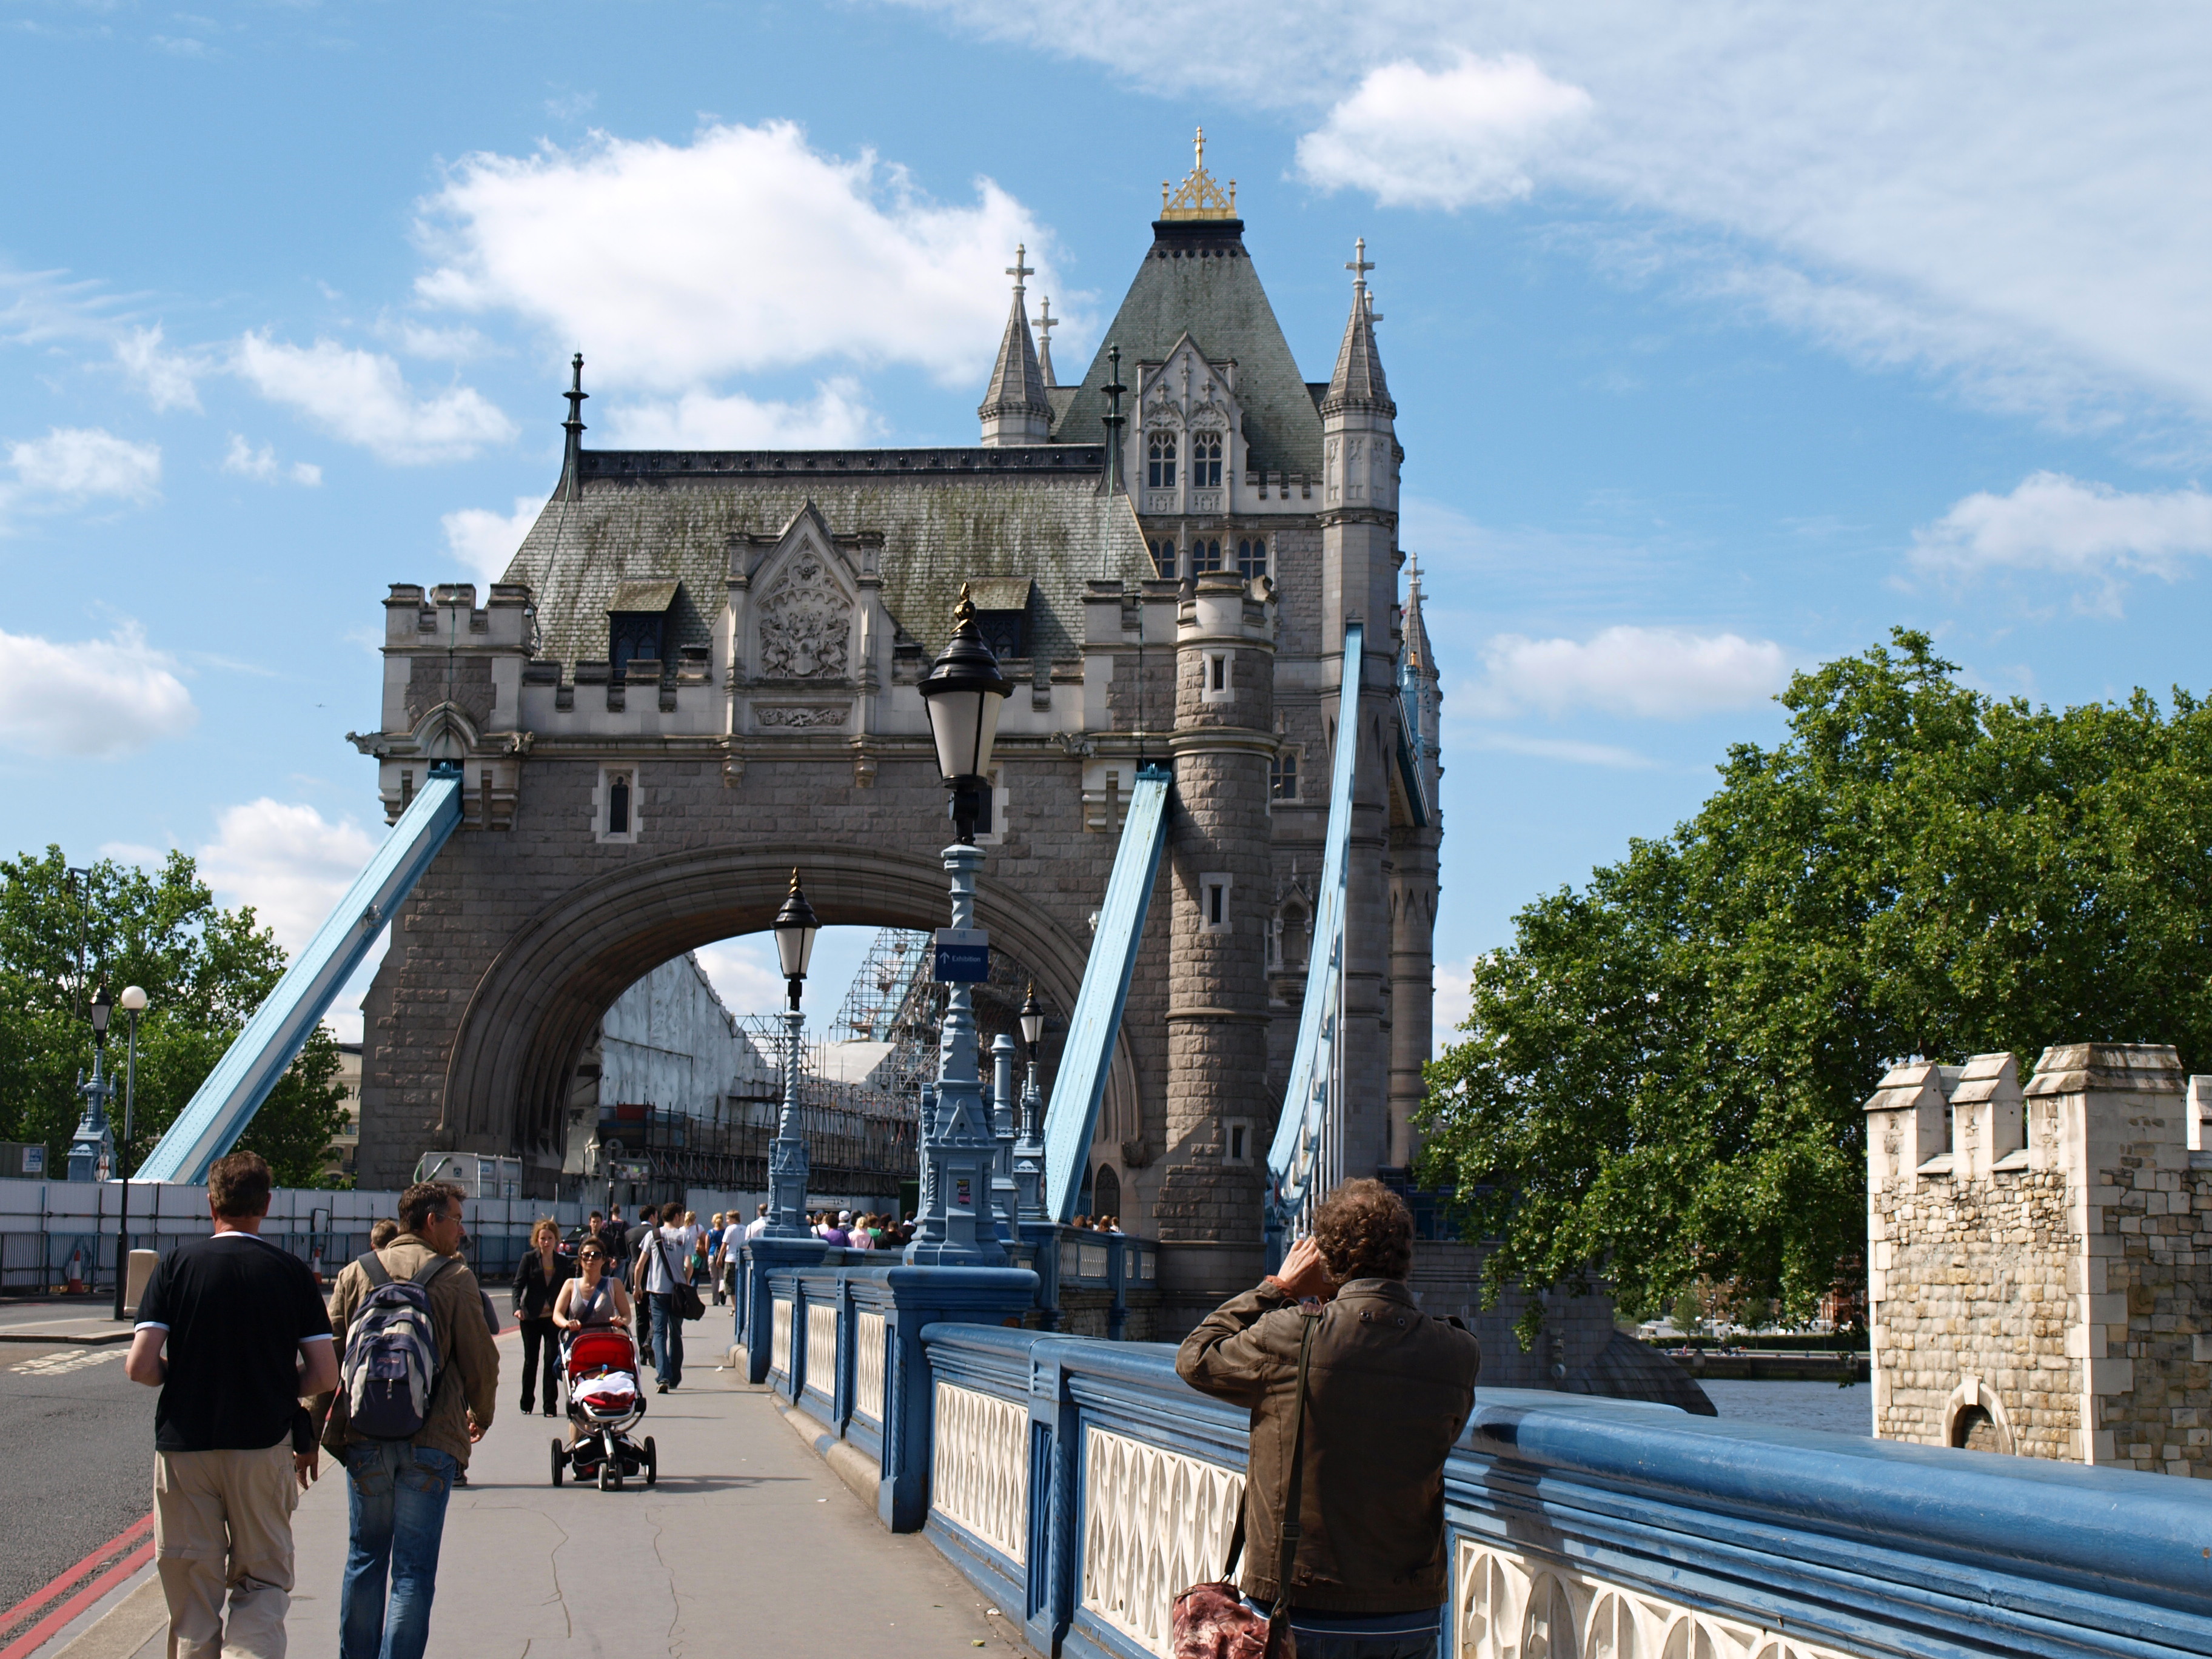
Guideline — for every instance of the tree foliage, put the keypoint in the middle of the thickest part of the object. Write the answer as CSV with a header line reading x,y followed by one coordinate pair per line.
x,y
204,970
1663,1075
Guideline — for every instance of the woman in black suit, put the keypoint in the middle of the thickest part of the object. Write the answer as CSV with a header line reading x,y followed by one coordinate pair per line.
x,y
544,1271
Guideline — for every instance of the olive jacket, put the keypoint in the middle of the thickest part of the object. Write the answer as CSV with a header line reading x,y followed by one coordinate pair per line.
x,y
468,1379
1389,1391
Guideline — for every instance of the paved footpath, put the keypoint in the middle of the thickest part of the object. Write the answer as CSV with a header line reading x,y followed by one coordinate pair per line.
x,y
750,1544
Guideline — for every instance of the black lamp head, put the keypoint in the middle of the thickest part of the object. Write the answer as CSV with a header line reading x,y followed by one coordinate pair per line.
x,y
103,1010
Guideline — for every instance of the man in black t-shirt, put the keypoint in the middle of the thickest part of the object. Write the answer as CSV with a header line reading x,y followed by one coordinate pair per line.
x,y
246,1336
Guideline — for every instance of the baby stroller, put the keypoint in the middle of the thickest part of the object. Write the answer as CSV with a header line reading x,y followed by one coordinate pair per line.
x,y
599,1366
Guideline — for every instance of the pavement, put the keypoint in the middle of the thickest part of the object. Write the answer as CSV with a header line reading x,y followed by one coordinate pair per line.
x,y
80,1463
53,1321
749,1544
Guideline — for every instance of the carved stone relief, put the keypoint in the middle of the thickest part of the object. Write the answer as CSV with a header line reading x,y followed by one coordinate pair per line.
x,y
798,718
805,625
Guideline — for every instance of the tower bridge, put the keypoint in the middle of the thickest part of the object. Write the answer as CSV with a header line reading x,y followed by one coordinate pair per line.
x,y
703,669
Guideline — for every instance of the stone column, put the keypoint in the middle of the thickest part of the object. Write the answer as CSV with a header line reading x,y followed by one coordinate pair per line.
x,y
1221,1104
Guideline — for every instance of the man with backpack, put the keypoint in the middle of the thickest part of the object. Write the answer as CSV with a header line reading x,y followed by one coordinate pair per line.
x,y
418,1383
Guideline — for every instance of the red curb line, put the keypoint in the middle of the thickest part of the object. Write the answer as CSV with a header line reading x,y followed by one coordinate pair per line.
x,y
63,1581
35,1638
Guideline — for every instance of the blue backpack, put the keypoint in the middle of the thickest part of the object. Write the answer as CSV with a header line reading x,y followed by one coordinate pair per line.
x,y
392,1364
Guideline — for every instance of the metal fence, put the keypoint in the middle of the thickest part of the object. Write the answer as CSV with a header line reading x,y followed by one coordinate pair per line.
x,y
47,1225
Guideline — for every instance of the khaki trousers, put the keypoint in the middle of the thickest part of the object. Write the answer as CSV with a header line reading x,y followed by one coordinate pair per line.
x,y
222,1525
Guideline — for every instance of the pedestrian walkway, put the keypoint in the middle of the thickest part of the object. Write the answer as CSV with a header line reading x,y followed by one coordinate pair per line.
x,y
749,1544
57,1319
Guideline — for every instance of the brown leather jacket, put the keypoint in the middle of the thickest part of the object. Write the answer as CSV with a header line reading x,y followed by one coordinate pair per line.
x,y
1388,1389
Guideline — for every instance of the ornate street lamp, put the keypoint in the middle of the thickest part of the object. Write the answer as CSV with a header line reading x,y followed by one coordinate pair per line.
x,y
963,693
133,1004
1029,1151
91,1148
795,928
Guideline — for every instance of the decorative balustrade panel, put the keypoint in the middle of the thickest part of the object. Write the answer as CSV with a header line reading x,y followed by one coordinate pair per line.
x,y
980,1467
1154,1523
868,1366
821,1349
1091,1261
1508,1606
778,1338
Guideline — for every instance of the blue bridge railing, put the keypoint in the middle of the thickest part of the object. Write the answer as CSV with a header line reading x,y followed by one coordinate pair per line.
x,y
1083,1483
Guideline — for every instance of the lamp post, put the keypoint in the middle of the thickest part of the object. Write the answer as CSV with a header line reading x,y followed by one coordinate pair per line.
x,y
964,693
785,1244
1029,1151
795,928
91,1148
133,1003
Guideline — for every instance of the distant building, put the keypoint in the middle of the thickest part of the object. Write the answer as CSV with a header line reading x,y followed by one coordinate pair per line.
x,y
345,1145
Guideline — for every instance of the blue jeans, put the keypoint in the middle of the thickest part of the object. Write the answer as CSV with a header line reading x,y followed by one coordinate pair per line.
x,y
396,1507
667,1337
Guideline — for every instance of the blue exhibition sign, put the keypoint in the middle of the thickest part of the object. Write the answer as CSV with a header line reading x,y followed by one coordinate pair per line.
x,y
963,957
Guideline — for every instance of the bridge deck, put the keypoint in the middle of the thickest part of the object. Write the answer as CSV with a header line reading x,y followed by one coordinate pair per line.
x,y
749,1544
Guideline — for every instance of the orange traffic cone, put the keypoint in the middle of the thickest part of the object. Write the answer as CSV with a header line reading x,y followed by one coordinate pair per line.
x,y
76,1273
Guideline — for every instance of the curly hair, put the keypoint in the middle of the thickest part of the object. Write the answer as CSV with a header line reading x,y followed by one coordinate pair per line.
x,y
1365,1231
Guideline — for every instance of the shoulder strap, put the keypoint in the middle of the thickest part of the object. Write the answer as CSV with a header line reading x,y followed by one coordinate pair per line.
x,y
1293,1498
373,1264
430,1269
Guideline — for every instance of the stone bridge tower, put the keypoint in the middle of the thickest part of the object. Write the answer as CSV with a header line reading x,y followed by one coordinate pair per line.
x,y
702,668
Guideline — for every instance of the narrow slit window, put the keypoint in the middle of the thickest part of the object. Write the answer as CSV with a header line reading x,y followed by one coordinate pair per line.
x,y
618,806
1237,1134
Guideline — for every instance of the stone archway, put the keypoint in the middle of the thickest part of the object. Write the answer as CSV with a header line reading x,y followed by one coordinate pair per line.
x,y
532,1013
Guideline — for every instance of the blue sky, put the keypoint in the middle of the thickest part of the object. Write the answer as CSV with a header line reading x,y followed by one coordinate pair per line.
x,y
1723,341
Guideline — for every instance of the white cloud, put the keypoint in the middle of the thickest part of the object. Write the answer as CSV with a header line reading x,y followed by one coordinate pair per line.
x,y
1661,673
837,418
96,698
2017,198
1573,751
262,465
671,264
744,974
361,397
166,378
2050,522
76,464
1455,1000
288,861
1444,139
485,541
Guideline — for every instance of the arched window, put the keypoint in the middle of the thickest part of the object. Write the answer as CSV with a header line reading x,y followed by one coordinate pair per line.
x,y
1160,461
1206,460
1106,1192
1164,555
1283,775
1205,557
1252,556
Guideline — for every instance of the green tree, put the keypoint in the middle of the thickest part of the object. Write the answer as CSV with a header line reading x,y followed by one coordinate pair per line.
x,y
1663,1075
204,970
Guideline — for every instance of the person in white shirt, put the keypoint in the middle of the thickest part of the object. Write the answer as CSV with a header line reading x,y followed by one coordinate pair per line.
x,y
758,1224
667,1253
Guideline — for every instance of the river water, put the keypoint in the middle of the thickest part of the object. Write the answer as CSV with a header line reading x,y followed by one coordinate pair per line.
x,y
1794,1405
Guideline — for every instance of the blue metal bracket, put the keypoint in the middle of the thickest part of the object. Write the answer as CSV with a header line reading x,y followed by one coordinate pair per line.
x,y
1306,1122
1072,1118
225,1103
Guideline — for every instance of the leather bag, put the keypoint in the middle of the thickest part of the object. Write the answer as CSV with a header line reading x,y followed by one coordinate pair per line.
x,y
1211,1621
689,1305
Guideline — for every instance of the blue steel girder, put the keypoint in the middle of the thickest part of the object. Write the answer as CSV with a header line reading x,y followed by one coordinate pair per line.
x,y
1072,1118
1296,1157
225,1103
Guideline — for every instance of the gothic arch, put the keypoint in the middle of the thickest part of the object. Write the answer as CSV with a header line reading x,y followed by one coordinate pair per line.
x,y
532,1013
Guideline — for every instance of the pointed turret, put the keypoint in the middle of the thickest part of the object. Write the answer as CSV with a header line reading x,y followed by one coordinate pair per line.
x,y
572,449
1045,322
1357,382
1014,409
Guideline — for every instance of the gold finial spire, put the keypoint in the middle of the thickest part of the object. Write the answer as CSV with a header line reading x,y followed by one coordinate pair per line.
x,y
1199,196
963,613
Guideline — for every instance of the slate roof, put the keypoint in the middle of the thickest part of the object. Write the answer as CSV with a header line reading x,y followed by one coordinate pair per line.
x,y
1198,278
946,515
1357,382
1016,379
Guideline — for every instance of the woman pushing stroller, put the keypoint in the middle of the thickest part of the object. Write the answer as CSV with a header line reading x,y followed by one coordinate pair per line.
x,y
599,1361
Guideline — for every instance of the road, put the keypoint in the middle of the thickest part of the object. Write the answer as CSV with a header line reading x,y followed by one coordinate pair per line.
x,y
80,1440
